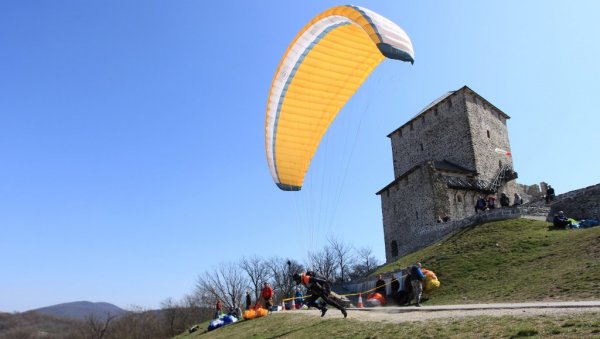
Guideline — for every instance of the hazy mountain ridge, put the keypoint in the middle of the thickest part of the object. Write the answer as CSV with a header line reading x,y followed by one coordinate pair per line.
x,y
82,309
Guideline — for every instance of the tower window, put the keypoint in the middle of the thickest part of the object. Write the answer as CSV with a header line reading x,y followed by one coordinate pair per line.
x,y
394,248
458,198
435,112
411,127
421,146
417,214
488,133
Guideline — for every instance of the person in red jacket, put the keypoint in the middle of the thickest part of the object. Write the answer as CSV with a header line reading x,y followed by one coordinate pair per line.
x,y
219,307
267,295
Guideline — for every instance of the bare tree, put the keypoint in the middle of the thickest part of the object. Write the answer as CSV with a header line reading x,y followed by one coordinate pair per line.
x,y
227,282
138,323
323,263
343,257
97,327
281,275
258,272
175,317
198,313
365,263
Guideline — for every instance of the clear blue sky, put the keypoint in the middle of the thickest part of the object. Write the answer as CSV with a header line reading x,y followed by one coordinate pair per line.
x,y
132,132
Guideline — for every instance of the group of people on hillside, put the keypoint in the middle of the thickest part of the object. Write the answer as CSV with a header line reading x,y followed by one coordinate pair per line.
x,y
320,295
317,288
489,202
412,290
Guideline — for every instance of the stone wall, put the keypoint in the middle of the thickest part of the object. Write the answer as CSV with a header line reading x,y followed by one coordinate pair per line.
x,y
430,136
533,192
432,233
579,204
488,132
401,220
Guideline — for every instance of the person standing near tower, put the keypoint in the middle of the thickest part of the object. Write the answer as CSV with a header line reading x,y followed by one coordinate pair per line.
x,y
550,194
416,280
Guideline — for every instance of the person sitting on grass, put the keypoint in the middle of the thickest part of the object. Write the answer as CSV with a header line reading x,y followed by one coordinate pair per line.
x,y
560,220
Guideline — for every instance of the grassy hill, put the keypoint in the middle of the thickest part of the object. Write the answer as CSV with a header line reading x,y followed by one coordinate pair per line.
x,y
513,260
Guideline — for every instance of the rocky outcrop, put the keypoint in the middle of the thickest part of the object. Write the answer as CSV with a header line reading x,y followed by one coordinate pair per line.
x,y
579,204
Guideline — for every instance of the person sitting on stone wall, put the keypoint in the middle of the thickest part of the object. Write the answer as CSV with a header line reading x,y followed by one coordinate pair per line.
x,y
504,200
517,200
480,205
491,202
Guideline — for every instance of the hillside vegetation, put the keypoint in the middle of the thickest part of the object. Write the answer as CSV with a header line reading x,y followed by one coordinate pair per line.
x,y
512,260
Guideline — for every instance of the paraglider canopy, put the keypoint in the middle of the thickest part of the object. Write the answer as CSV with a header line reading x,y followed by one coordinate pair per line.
x,y
321,69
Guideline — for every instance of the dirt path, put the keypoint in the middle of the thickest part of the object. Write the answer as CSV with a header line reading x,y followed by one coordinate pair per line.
x,y
411,313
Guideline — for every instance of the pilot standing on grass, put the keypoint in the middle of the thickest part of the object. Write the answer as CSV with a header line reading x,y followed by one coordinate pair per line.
x,y
416,280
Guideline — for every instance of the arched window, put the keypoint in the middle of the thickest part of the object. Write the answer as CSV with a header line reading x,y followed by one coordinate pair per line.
x,y
488,133
394,248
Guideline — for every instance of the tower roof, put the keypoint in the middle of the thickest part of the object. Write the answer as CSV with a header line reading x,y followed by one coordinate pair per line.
x,y
442,98
442,166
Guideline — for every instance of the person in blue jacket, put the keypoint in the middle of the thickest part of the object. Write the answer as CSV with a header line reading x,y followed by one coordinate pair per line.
x,y
298,298
416,280
560,220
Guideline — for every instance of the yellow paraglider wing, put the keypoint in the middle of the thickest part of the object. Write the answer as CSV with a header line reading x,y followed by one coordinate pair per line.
x,y
322,68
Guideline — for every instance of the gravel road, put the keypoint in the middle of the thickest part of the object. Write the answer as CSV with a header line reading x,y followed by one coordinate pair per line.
x,y
412,313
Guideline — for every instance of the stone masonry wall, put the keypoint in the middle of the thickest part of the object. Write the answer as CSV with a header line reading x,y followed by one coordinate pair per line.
x,y
579,204
431,135
489,131
429,234
407,206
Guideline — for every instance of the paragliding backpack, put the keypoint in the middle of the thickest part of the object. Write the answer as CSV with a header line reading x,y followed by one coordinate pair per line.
x,y
321,283
416,273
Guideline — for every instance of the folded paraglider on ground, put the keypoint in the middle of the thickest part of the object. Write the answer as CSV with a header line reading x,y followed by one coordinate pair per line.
x,y
223,320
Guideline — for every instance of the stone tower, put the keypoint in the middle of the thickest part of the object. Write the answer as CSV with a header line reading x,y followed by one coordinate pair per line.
x,y
445,157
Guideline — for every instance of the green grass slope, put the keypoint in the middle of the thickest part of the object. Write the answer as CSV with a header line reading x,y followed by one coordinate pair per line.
x,y
296,325
512,260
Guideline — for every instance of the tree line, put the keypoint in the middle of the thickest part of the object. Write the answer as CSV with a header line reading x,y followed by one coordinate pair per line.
x,y
336,261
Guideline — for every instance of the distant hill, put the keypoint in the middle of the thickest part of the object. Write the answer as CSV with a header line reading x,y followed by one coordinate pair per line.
x,y
82,309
